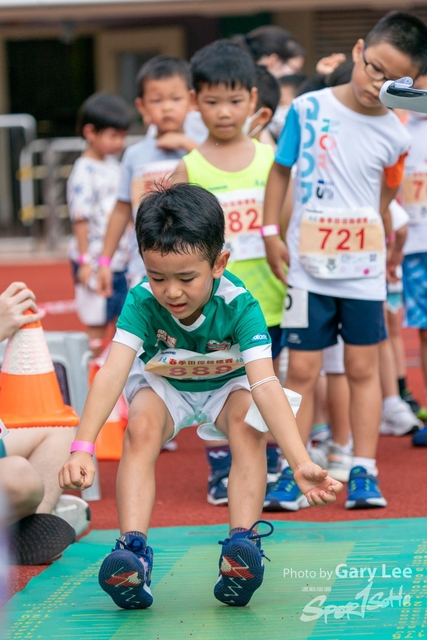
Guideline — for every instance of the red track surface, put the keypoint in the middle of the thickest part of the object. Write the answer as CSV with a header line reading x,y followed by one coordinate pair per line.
x,y
181,475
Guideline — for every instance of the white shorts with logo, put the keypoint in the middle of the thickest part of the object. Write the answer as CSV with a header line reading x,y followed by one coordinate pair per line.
x,y
197,408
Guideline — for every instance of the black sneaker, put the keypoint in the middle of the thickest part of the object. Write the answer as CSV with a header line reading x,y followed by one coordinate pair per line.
x,y
39,539
217,487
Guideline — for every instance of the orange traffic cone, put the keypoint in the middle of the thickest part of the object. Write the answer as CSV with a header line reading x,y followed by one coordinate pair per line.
x,y
29,391
109,443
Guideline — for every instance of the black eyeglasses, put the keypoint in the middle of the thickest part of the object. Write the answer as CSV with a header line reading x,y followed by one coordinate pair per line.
x,y
372,71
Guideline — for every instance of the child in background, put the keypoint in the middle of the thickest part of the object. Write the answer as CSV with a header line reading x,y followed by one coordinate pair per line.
x,y
414,200
289,86
340,228
163,99
204,351
235,168
92,188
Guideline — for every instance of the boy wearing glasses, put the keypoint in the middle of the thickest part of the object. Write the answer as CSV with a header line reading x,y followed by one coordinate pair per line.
x,y
349,154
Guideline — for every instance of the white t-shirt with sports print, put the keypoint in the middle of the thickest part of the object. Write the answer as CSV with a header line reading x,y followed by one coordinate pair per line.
x,y
414,188
91,195
335,235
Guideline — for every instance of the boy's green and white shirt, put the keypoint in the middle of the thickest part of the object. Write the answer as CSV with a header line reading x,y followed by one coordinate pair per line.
x,y
205,355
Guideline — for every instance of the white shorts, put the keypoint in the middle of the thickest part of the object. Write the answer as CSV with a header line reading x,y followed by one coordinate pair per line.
x,y
197,408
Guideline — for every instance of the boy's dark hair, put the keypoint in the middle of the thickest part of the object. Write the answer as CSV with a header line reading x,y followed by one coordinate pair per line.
x,y
181,219
270,39
103,110
341,74
405,32
294,80
222,62
160,68
268,89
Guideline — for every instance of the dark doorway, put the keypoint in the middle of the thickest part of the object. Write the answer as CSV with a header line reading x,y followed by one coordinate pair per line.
x,y
50,79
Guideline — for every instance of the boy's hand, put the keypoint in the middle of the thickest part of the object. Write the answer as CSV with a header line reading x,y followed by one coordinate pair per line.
x,y
78,472
105,280
330,63
277,254
84,272
173,140
316,485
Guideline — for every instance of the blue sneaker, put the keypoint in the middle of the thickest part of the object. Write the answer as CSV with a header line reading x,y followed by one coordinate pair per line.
x,y
420,438
363,490
241,566
285,495
125,574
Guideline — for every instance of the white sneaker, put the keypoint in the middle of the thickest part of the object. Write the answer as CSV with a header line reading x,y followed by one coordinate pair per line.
x,y
399,421
318,456
339,462
73,510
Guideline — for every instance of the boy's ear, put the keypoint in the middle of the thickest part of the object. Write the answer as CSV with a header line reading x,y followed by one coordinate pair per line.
x,y
265,116
193,101
356,53
88,132
220,264
253,99
139,104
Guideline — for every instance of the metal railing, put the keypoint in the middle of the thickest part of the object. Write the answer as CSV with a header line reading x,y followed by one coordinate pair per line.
x,y
43,161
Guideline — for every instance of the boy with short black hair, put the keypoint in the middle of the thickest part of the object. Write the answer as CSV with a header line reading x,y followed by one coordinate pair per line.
x,y
349,152
235,168
203,348
163,98
103,121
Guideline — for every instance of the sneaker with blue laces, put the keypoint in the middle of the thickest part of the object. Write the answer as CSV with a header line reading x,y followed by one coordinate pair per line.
x,y
285,495
363,490
241,566
125,573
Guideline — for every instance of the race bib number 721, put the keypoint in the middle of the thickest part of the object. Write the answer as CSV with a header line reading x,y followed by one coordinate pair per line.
x,y
341,243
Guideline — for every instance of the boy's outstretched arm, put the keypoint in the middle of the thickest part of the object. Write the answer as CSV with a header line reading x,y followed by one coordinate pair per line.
x,y
314,482
275,191
119,219
180,174
109,382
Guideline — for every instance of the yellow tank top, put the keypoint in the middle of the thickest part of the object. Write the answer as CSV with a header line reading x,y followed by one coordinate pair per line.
x,y
241,194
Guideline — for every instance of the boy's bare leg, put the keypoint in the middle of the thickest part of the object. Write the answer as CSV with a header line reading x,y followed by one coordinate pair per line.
x,y
149,426
303,372
339,407
394,329
23,496
248,475
362,368
46,449
96,333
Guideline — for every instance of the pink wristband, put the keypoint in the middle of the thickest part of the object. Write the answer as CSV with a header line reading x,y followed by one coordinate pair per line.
x,y
104,261
269,230
84,258
82,445
391,238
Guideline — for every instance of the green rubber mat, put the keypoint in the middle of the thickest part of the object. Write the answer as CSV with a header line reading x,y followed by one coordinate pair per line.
x,y
341,580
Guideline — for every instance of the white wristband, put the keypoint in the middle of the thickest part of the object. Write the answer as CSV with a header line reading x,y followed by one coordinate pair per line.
x,y
270,230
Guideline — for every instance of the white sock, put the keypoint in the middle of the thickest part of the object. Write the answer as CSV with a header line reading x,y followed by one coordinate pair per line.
x,y
283,464
370,464
391,402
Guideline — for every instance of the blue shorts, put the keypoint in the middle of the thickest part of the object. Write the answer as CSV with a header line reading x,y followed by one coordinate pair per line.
x,y
359,322
113,305
277,335
414,269
3,453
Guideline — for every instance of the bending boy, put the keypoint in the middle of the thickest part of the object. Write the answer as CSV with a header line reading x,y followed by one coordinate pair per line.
x,y
203,345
